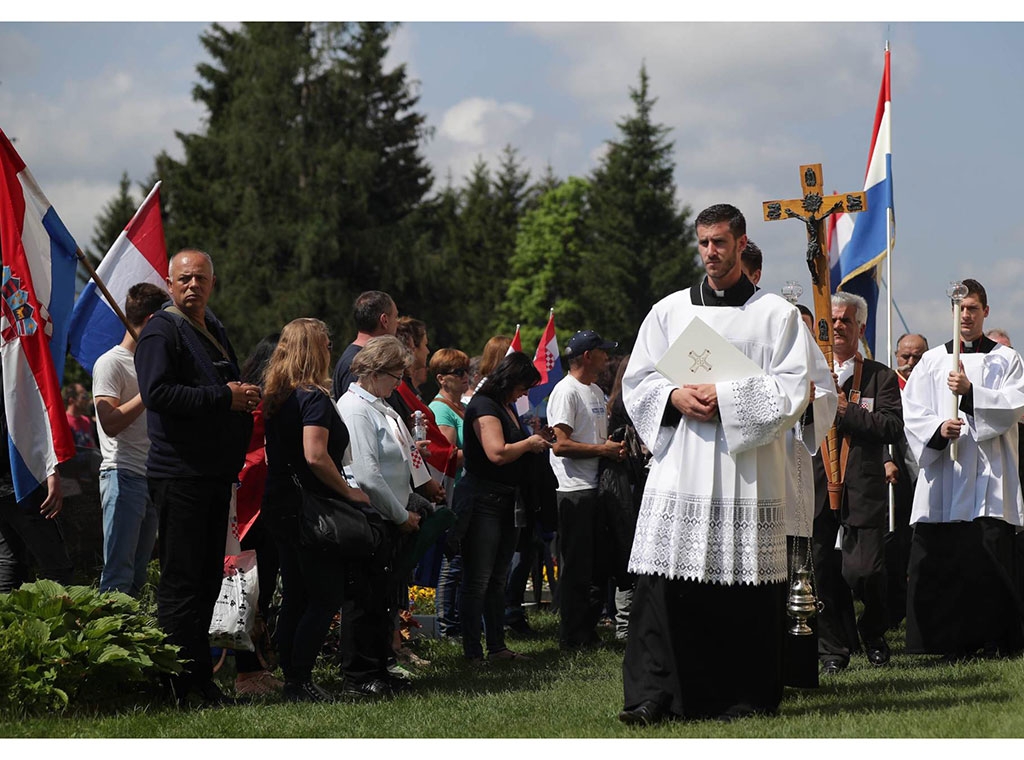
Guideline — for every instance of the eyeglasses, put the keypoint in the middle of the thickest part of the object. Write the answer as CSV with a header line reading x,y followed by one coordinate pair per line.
x,y
460,372
396,377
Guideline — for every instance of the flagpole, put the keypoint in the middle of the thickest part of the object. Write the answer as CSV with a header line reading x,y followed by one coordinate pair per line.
x,y
106,293
888,291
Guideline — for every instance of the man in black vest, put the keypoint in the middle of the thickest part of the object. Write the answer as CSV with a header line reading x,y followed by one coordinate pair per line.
x,y
200,418
870,415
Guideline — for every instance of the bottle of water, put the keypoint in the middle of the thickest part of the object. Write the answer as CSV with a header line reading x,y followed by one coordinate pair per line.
x,y
419,426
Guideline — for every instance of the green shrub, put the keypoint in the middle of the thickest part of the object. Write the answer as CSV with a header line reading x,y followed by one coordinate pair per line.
x,y
62,646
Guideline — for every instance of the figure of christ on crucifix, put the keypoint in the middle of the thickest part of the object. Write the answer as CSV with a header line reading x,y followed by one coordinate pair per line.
x,y
810,204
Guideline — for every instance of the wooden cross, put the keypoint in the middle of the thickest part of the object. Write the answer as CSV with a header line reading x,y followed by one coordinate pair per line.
x,y
812,209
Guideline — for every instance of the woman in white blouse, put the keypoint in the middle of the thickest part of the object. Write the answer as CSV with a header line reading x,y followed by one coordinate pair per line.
x,y
382,462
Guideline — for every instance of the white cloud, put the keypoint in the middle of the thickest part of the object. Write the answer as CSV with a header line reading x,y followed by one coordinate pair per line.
x,y
78,203
478,121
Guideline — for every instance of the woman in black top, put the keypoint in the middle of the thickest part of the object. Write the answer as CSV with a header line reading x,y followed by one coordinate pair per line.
x,y
305,436
495,444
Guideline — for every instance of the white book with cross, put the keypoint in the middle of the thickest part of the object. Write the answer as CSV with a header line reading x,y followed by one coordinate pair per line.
x,y
701,355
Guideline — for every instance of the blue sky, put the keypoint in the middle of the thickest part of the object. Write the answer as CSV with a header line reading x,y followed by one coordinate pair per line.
x,y
747,104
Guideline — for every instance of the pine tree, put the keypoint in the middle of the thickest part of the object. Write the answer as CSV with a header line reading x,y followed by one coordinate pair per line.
x,y
116,213
641,235
304,183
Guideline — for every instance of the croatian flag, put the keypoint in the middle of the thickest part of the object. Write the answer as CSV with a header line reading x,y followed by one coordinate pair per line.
x,y
546,360
516,344
859,243
39,261
138,255
523,402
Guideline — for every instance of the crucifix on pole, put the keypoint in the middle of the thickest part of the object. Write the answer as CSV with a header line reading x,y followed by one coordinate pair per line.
x,y
813,209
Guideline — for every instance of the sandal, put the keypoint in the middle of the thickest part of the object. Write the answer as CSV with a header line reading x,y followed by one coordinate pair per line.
x,y
508,654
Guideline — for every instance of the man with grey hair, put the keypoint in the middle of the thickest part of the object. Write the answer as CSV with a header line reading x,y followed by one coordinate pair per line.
x,y
870,415
909,349
999,335
199,417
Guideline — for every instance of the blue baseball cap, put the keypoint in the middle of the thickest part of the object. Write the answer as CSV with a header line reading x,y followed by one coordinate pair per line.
x,y
587,340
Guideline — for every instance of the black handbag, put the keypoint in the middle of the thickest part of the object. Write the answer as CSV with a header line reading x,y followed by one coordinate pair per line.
x,y
333,523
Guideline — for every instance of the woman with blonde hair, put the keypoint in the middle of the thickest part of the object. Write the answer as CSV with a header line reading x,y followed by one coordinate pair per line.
x,y
306,439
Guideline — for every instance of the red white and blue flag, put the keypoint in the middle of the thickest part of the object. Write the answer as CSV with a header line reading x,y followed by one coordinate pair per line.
x,y
39,260
516,344
546,360
138,255
523,402
858,242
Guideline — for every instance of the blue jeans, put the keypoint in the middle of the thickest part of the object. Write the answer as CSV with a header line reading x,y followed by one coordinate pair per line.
x,y
486,550
130,521
449,597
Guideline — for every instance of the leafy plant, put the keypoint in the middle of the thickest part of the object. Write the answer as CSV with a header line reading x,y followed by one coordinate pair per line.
x,y
61,646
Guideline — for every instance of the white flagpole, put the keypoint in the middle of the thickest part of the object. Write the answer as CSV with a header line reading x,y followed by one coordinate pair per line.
x,y
888,294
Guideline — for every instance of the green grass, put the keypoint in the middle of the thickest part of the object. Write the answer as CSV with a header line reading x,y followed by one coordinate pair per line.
x,y
579,695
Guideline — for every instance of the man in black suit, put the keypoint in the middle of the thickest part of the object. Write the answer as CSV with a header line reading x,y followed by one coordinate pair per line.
x,y
870,415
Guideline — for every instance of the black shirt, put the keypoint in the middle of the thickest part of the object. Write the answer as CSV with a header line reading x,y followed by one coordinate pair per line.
x,y
285,453
476,459
342,378
193,431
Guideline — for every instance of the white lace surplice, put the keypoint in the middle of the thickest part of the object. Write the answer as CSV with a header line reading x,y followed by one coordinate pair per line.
x,y
712,510
983,481
802,443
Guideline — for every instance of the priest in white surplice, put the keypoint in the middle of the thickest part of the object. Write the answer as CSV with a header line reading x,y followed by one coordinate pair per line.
x,y
961,591
708,619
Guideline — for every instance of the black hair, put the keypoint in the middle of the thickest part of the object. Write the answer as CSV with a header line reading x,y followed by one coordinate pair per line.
x,y
751,256
723,212
515,369
975,288
255,367
143,299
368,307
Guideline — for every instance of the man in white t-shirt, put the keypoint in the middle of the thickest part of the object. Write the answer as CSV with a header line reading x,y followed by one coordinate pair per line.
x,y
577,413
129,515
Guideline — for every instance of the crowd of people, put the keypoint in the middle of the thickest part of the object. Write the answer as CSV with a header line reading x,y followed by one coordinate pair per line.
x,y
684,501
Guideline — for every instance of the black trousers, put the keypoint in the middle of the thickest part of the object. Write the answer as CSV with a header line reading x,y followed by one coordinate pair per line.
x,y
702,649
27,537
857,570
311,594
367,619
193,528
584,572
962,594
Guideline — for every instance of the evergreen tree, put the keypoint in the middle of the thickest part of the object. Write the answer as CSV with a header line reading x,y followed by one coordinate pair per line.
x,y
304,183
116,213
480,267
641,236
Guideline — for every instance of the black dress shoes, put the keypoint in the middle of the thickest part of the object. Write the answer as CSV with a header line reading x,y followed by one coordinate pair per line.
x,y
878,652
373,689
647,713
305,692
832,666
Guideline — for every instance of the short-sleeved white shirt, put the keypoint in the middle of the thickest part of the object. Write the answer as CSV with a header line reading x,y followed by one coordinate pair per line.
x,y
114,375
581,407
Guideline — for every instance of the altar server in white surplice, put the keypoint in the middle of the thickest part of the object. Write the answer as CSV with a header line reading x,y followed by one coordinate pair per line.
x,y
961,592
707,622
